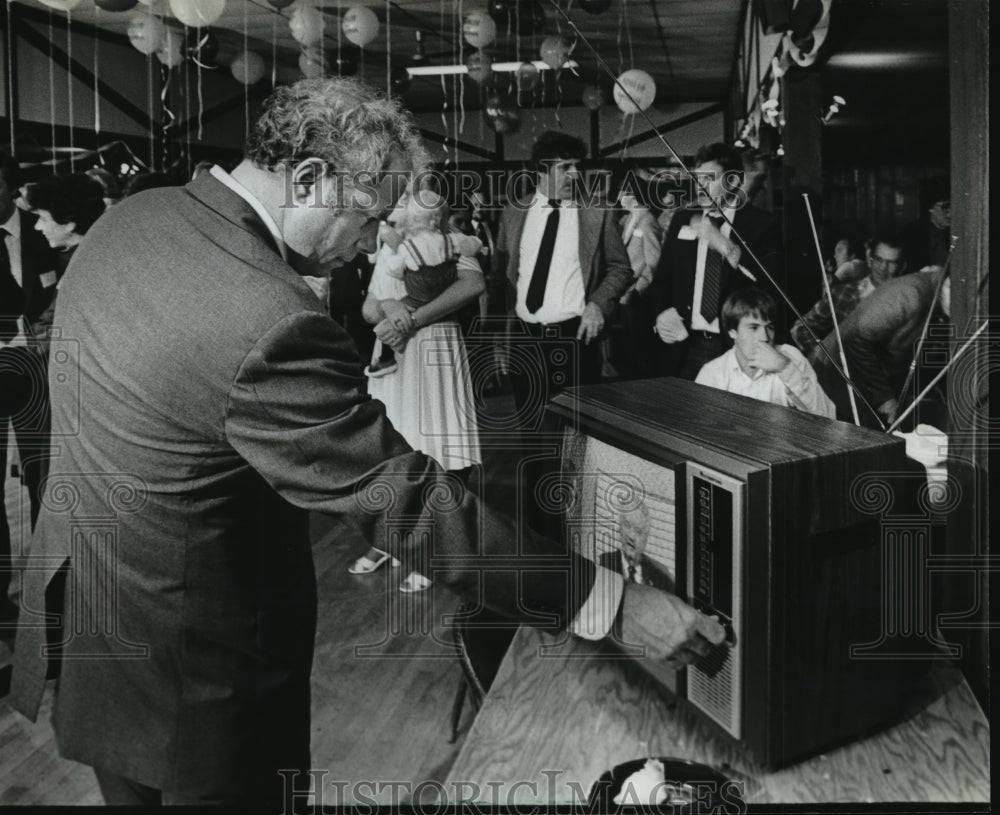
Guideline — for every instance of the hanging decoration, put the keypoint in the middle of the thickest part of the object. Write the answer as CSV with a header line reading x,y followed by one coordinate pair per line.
x,y
640,86
479,29
146,33
116,5
170,52
61,5
249,67
480,66
202,47
527,77
593,97
306,25
501,115
555,51
197,13
313,62
360,25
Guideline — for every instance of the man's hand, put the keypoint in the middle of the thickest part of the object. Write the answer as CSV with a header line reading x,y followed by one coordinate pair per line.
x,y
669,629
669,326
591,323
888,410
710,233
769,359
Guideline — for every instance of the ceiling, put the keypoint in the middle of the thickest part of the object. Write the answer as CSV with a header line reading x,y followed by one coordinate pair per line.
x,y
686,45
888,58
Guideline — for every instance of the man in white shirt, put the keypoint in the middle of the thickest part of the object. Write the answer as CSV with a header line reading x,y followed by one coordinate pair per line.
x,y
566,270
758,368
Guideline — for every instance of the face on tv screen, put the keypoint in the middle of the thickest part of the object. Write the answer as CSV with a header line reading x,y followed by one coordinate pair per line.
x,y
623,513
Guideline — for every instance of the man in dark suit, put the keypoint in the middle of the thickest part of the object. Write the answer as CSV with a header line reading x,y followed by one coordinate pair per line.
x,y
630,559
566,269
703,262
28,277
219,404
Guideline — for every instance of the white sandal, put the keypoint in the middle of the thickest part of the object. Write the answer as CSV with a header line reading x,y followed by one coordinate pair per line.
x,y
365,565
415,582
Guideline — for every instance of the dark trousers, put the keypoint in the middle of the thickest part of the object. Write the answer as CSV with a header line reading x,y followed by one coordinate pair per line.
x,y
544,360
24,411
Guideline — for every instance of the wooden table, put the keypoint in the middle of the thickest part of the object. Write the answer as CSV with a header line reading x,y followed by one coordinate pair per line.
x,y
559,715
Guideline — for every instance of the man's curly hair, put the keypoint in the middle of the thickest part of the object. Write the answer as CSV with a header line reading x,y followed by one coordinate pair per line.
x,y
343,122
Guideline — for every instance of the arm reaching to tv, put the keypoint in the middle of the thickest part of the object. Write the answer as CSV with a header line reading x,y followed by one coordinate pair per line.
x,y
666,627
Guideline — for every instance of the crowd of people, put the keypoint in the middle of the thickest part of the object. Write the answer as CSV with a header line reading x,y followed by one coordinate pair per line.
x,y
211,368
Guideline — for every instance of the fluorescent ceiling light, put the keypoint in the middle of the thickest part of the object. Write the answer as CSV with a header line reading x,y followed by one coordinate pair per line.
x,y
885,59
444,70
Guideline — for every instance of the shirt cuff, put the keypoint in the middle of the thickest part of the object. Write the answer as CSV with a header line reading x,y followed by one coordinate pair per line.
x,y
793,378
598,612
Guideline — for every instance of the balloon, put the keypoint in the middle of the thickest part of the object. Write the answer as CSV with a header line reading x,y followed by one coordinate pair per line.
x,y
62,5
248,67
479,29
280,4
399,80
555,51
169,52
197,13
640,86
595,6
527,77
480,66
593,97
202,46
306,25
360,25
146,33
116,5
313,62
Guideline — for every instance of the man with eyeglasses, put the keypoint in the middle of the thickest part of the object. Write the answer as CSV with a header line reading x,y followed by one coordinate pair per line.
x,y
885,262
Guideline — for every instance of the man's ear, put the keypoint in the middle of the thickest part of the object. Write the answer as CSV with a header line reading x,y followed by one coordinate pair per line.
x,y
308,180
732,333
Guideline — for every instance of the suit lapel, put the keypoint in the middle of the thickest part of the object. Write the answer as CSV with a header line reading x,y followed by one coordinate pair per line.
x,y
590,225
516,228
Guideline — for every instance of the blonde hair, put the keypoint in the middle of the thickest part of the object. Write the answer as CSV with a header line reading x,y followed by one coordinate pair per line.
x,y
425,210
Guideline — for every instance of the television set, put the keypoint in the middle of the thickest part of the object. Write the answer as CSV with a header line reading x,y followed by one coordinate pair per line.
x,y
762,517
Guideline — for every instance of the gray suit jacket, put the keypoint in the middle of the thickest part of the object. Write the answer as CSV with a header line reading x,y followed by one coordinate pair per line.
x,y
607,273
217,405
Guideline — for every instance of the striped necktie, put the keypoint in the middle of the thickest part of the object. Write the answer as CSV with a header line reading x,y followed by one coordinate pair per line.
x,y
712,280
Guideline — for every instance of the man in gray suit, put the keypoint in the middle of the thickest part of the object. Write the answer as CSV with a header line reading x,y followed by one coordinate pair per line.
x,y
218,405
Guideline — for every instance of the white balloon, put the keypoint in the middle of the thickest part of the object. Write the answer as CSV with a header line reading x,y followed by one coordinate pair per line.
x,y
169,52
62,5
146,33
248,67
313,63
197,13
479,29
306,25
640,86
360,25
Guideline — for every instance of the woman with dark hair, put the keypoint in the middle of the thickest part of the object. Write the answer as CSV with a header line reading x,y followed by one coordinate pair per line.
x,y
66,206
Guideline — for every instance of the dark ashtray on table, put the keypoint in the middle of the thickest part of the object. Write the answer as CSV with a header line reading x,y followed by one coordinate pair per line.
x,y
685,787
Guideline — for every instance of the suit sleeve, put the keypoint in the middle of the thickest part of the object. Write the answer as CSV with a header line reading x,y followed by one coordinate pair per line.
x,y
618,274
297,415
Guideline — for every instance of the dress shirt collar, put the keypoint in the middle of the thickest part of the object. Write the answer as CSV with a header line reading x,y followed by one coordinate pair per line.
x,y
258,207
734,367
13,225
542,201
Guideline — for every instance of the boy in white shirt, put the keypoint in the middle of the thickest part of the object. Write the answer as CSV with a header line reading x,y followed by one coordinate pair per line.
x,y
758,368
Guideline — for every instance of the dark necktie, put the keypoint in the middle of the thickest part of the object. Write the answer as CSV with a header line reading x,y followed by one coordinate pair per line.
x,y
712,280
540,276
631,574
11,294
